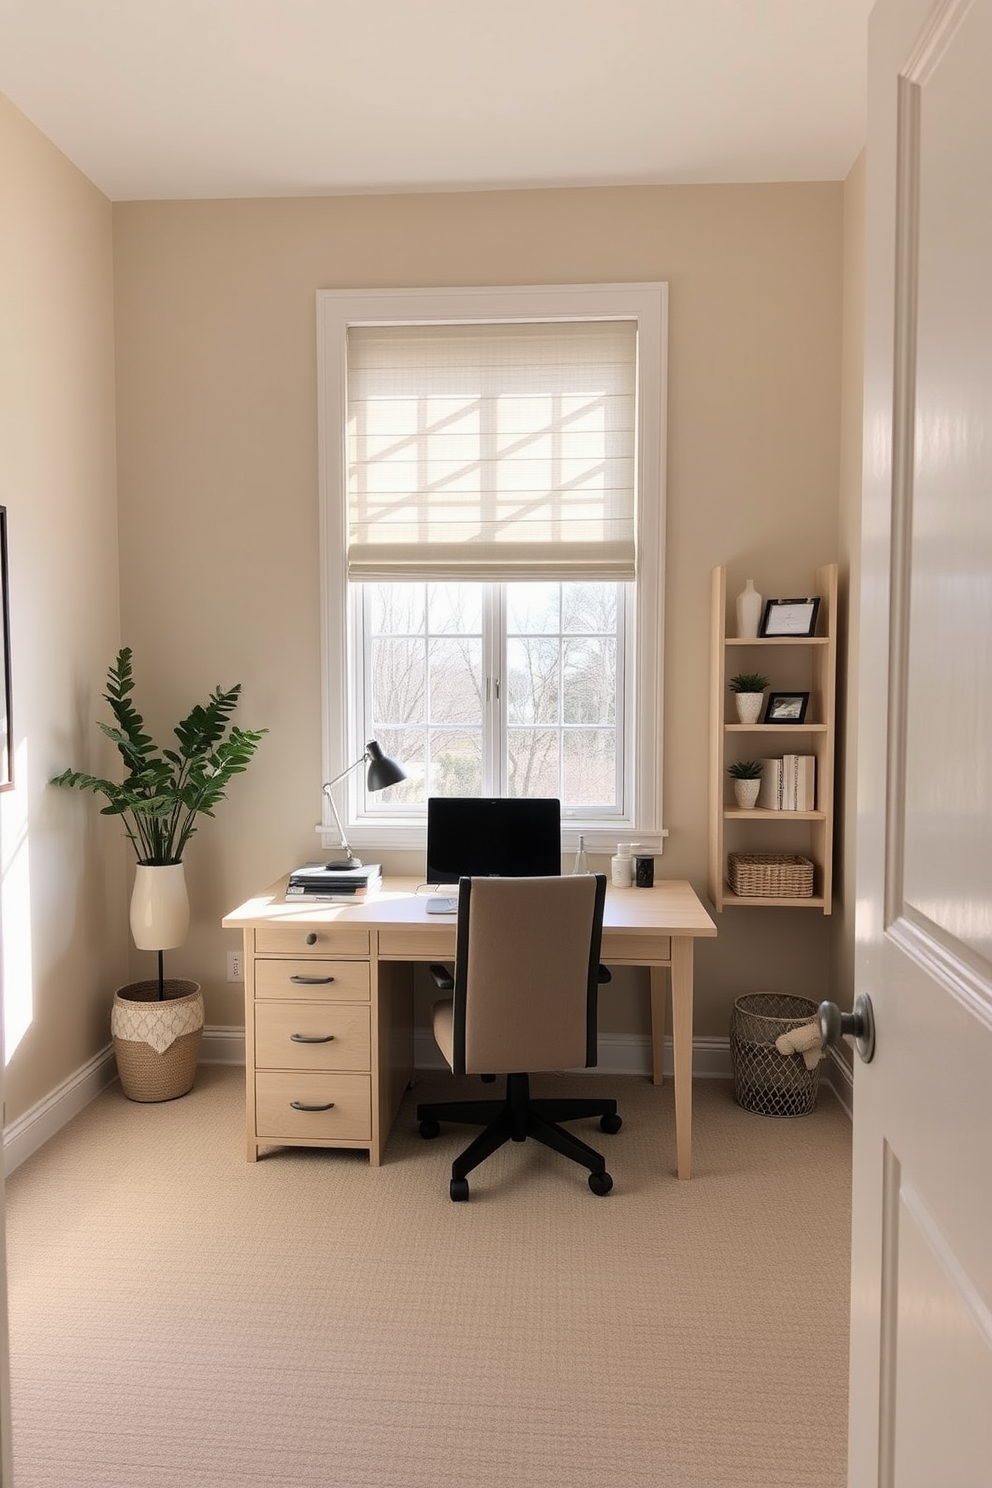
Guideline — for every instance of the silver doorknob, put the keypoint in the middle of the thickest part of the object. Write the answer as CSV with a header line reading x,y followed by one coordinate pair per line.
x,y
859,1025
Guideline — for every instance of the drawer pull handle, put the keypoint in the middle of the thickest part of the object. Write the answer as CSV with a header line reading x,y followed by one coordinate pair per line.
x,y
312,938
305,981
305,1106
311,1038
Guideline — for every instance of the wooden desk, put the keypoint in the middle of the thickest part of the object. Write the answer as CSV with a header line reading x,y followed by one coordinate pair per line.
x,y
329,1005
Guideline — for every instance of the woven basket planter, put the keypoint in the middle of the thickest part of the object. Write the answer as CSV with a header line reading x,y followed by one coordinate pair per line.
x,y
157,1043
765,1081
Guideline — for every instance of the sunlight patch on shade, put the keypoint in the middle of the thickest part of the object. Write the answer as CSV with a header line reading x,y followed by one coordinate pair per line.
x,y
15,908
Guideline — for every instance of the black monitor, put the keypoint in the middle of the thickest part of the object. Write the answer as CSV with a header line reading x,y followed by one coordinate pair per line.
x,y
486,837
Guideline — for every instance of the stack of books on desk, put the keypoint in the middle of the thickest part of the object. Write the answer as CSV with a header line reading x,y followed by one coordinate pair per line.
x,y
318,881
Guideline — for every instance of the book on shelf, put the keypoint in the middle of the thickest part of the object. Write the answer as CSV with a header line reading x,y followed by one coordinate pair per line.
x,y
806,782
789,783
770,794
323,881
798,782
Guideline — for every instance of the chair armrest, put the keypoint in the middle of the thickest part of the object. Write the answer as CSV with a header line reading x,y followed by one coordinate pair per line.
x,y
605,975
442,976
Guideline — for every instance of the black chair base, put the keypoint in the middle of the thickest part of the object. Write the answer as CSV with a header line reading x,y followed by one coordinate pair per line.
x,y
514,1119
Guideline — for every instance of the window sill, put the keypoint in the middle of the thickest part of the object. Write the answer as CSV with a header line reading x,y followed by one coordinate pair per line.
x,y
403,837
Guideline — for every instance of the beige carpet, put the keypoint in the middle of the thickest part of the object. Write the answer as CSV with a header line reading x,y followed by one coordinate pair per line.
x,y
183,1319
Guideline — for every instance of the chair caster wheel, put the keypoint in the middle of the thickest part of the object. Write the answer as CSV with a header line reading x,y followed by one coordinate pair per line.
x,y
430,1128
600,1183
459,1190
611,1124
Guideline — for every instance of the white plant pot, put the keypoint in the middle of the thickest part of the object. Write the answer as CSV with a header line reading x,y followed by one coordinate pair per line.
x,y
749,706
159,906
746,792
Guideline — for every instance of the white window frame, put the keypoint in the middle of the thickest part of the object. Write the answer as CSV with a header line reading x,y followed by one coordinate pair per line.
x,y
337,310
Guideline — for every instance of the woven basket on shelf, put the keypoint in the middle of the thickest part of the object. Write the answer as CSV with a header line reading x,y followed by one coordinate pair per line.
x,y
770,875
765,1081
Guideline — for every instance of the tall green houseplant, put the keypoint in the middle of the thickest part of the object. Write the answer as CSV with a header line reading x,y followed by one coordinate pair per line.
x,y
165,791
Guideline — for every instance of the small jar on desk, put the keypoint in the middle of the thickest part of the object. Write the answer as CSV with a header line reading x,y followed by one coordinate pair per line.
x,y
622,866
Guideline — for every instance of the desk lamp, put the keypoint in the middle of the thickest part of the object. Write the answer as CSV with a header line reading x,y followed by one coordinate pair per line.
x,y
383,772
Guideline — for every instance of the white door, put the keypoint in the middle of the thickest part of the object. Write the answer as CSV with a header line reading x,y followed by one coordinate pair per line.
x,y
921,1308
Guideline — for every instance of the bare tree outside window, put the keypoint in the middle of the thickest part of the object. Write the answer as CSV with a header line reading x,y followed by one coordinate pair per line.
x,y
510,689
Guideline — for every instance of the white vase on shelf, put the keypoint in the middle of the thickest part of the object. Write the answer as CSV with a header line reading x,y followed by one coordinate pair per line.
x,y
749,604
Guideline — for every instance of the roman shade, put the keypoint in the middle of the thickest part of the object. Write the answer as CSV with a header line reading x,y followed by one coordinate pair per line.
x,y
491,451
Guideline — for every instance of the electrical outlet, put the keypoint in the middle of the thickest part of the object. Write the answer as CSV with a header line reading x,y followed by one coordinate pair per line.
x,y
234,972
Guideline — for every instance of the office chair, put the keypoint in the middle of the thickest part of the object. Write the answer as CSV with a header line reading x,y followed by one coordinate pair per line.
x,y
525,990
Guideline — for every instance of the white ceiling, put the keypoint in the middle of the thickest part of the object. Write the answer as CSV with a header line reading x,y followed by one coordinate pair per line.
x,y
225,98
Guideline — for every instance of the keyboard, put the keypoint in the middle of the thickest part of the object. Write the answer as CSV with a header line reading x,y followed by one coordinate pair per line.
x,y
442,904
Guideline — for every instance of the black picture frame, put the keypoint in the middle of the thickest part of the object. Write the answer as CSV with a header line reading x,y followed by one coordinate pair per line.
x,y
790,617
787,707
6,725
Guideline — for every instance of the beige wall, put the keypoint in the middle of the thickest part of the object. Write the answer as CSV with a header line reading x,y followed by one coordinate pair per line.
x,y
213,503
218,482
63,881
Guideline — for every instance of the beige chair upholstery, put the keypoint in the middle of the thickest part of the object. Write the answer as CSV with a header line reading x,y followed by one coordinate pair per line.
x,y
525,988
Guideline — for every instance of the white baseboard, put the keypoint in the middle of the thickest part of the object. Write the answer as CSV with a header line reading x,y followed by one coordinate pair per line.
x,y
619,1054
24,1136
32,1130
222,1045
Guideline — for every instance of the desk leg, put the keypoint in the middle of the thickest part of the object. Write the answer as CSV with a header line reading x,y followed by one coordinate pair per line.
x,y
682,1049
659,986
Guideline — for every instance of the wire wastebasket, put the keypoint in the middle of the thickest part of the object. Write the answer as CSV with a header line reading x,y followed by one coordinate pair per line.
x,y
765,1081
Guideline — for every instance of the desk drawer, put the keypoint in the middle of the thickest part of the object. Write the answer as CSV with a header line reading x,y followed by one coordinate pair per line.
x,y
410,943
620,946
312,1036
327,981
347,1099
328,940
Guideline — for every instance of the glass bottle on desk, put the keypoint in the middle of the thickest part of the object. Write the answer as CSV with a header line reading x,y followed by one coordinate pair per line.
x,y
581,861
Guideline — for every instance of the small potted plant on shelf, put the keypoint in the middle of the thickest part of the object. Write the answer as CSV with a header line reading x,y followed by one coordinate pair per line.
x,y
157,1024
746,775
748,689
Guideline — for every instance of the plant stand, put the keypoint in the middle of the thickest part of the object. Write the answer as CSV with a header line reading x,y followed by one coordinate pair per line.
x,y
157,1041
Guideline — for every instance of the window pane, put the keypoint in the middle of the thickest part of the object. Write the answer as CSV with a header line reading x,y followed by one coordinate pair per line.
x,y
554,724
589,608
398,682
454,609
456,684
533,609
456,762
589,680
532,681
590,768
532,762
395,609
408,747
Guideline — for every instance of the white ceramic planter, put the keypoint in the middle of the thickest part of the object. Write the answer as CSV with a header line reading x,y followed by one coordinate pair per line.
x,y
749,706
159,906
746,792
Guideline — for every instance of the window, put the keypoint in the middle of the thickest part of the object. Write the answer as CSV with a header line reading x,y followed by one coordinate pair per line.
x,y
492,519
